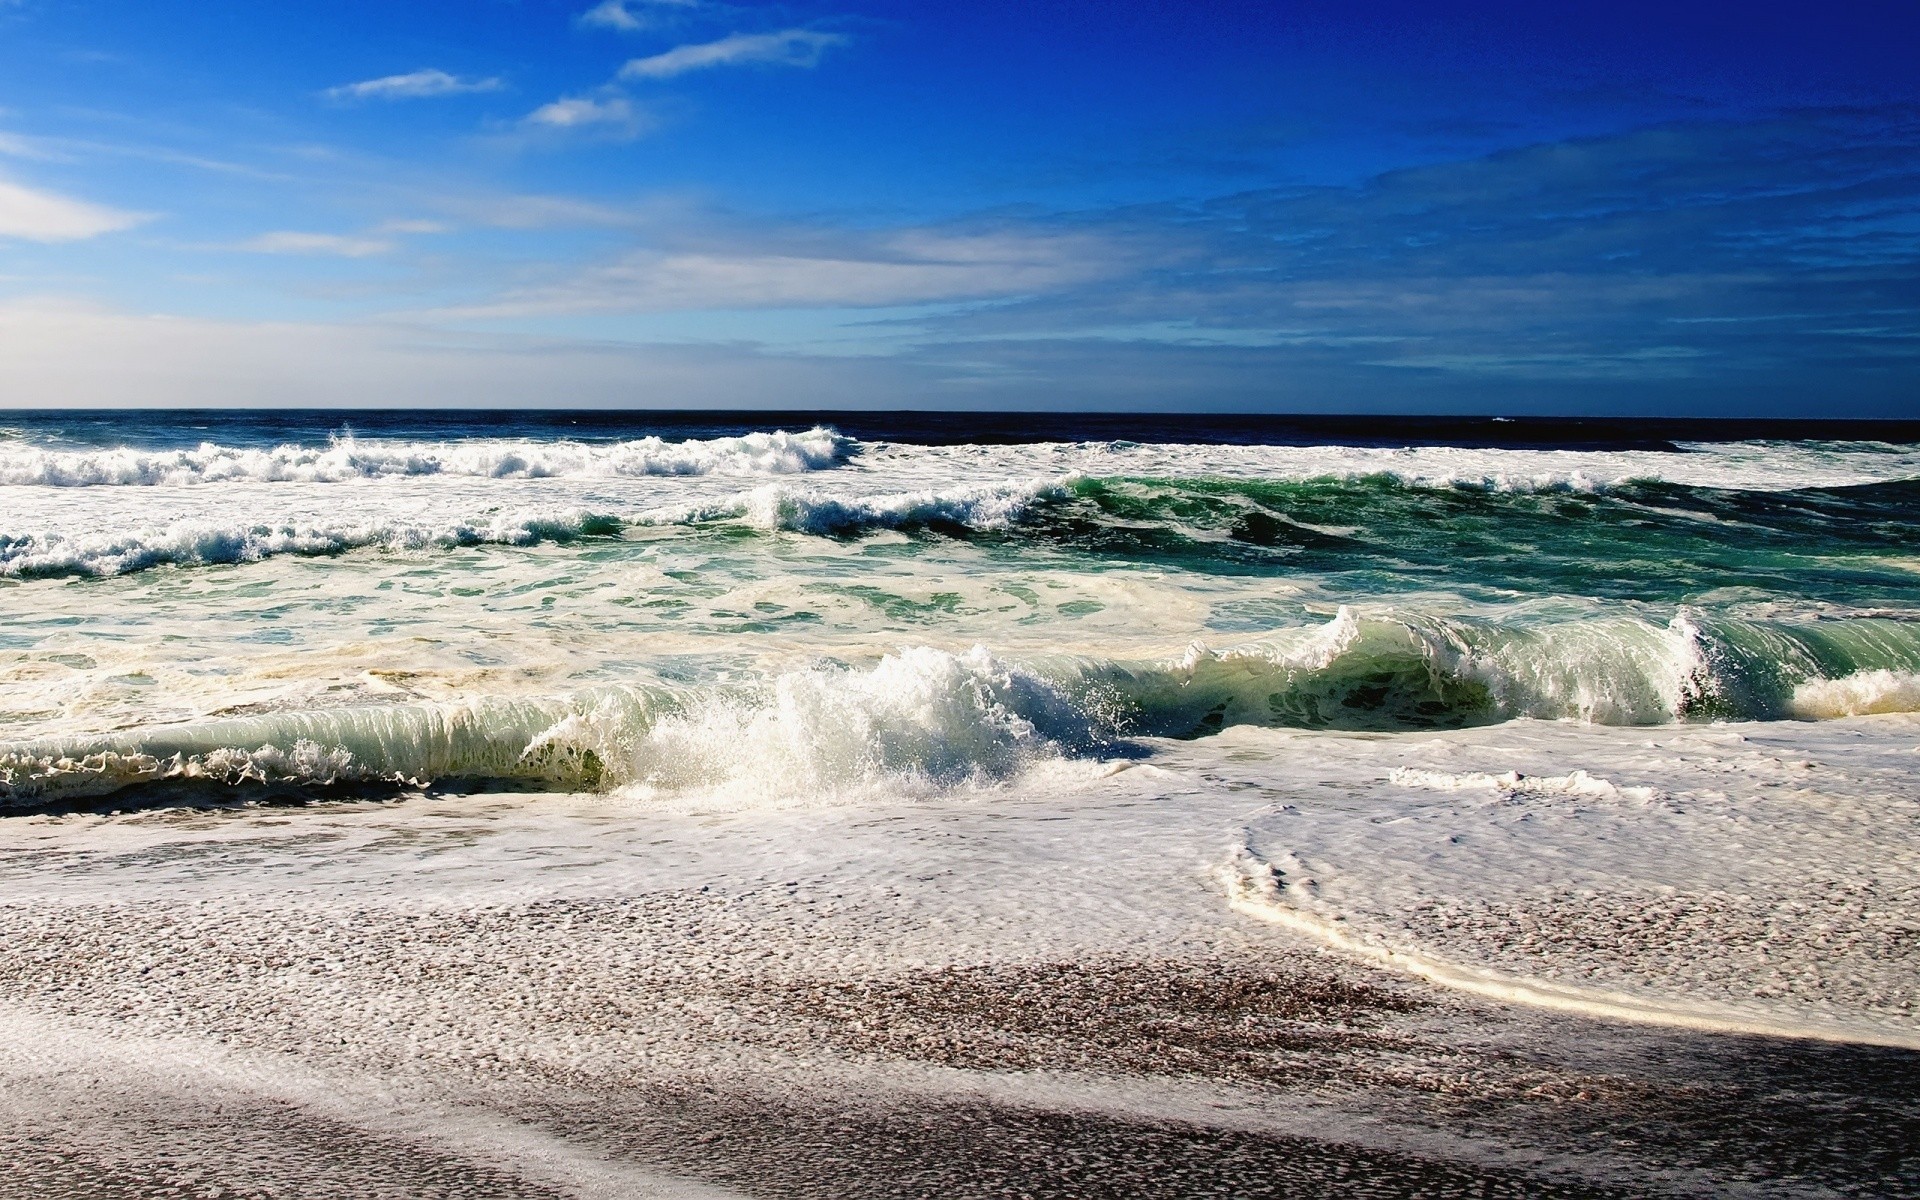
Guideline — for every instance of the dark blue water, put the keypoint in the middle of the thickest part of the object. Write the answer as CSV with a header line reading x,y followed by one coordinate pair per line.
x,y
161,429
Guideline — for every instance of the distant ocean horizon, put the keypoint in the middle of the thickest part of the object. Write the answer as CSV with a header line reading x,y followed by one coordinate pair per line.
x,y
265,426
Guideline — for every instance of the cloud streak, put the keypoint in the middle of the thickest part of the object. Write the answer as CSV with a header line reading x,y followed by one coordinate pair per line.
x,y
1769,261
787,48
901,268
29,214
620,15
414,85
612,115
334,245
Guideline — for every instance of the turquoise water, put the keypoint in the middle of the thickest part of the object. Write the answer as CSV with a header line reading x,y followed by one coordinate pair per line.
x,y
223,598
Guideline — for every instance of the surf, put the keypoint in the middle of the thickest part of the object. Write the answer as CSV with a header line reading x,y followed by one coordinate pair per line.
x,y
924,719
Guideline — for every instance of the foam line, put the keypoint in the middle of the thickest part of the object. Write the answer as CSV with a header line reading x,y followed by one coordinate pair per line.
x,y
1251,890
773,453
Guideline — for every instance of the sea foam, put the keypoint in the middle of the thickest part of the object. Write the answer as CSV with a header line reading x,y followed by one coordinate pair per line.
x,y
1860,694
919,720
198,543
985,507
925,718
346,458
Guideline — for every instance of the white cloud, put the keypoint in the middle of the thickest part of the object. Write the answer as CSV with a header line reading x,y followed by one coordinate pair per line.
x,y
411,86
620,14
607,114
914,267
36,216
338,245
789,48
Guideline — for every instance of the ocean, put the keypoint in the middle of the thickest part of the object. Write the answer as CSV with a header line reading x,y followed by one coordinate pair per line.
x,y
1609,720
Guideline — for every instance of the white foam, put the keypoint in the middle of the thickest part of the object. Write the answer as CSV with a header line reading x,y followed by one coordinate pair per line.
x,y
194,543
1859,694
774,453
919,720
1757,876
800,510
1740,466
62,775
1513,783
1252,889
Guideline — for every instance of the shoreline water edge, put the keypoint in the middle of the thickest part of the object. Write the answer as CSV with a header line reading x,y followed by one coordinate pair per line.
x,y
694,804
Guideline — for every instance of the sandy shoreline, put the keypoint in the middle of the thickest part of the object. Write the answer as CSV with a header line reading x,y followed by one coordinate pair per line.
x,y
666,1044
1041,990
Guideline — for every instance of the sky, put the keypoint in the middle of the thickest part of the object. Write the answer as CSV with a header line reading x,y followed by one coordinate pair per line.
x,y
1673,209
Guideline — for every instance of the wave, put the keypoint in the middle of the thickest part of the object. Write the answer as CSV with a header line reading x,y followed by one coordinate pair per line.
x,y
1661,542
963,510
1413,671
345,458
1421,524
926,719
193,543
1860,694
919,720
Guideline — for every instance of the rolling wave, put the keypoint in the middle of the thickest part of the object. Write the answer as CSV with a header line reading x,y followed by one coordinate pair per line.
x,y
920,719
926,719
54,554
347,458
1657,541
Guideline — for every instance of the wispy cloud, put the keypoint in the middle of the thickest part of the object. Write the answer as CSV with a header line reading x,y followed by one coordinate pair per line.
x,y
610,115
333,244
1773,257
788,48
413,225
32,215
14,146
414,85
535,211
905,267
622,14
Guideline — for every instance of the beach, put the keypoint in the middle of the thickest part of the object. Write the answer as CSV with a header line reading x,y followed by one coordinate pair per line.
x,y
510,808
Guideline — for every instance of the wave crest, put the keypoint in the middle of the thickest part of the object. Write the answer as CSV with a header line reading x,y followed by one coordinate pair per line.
x,y
772,453
190,543
919,720
924,719
985,508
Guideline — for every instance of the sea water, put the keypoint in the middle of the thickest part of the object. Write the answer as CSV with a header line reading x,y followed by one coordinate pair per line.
x,y
1603,721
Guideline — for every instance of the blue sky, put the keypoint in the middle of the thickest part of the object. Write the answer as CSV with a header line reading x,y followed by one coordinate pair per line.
x,y
1299,207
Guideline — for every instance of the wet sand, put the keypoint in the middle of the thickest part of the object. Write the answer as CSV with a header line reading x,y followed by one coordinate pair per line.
x,y
693,1043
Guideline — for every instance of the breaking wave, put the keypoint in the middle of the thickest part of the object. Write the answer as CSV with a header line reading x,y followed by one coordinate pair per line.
x,y
1624,539
977,509
344,458
193,543
921,719
1648,541
1860,694
1411,671
928,719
